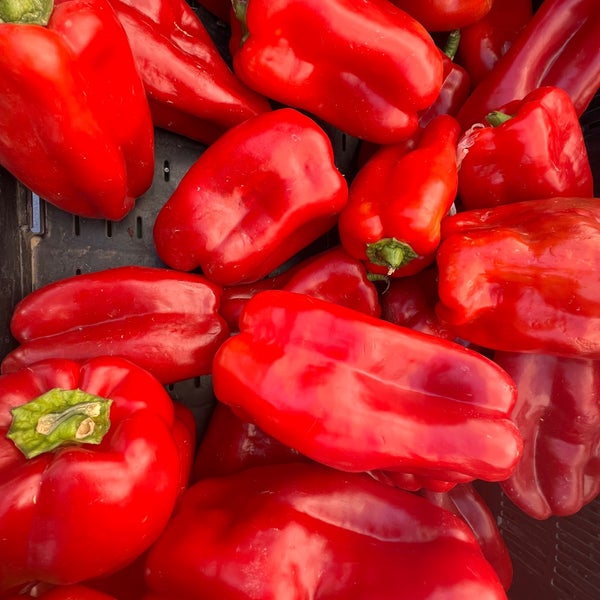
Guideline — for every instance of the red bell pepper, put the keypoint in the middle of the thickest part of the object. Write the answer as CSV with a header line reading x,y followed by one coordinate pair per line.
x,y
398,199
231,444
301,530
328,381
444,15
464,501
76,127
558,414
522,277
82,447
165,321
532,148
484,42
331,274
67,592
262,192
559,47
191,89
456,84
343,61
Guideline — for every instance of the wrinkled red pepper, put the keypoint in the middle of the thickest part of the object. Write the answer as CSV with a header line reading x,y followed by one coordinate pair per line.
x,y
82,447
301,530
262,192
398,199
484,42
331,274
523,277
559,47
328,381
465,502
191,89
165,321
76,127
231,444
343,61
444,15
531,148
558,414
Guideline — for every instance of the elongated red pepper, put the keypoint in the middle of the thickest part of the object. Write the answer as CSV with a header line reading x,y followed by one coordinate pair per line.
x,y
398,199
484,42
301,530
76,127
343,61
83,447
331,275
262,192
191,89
165,321
326,380
464,501
444,15
522,277
558,414
532,148
559,47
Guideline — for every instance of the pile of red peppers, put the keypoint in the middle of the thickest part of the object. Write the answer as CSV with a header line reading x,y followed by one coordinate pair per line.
x,y
381,338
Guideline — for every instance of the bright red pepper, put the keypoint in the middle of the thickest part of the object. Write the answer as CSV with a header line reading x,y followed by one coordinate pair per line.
x,y
191,89
76,127
300,530
484,42
558,414
331,274
398,199
67,592
231,444
465,502
522,277
343,61
532,148
165,321
262,192
358,393
559,47
82,447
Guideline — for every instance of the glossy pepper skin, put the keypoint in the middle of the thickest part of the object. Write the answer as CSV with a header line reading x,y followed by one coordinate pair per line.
x,y
398,198
191,90
301,530
166,322
465,502
558,47
322,378
558,413
444,15
331,274
522,277
483,43
343,61
83,446
531,148
76,126
262,192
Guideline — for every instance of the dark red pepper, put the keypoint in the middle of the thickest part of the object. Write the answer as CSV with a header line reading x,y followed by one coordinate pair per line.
x,y
191,89
530,148
558,414
262,192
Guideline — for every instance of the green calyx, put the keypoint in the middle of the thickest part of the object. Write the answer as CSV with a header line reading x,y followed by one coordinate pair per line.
x,y
452,43
59,418
390,253
496,118
32,12
240,7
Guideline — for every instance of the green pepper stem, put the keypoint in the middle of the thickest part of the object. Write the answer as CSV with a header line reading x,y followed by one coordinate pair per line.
x,y
240,8
391,253
496,118
26,12
58,418
452,43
